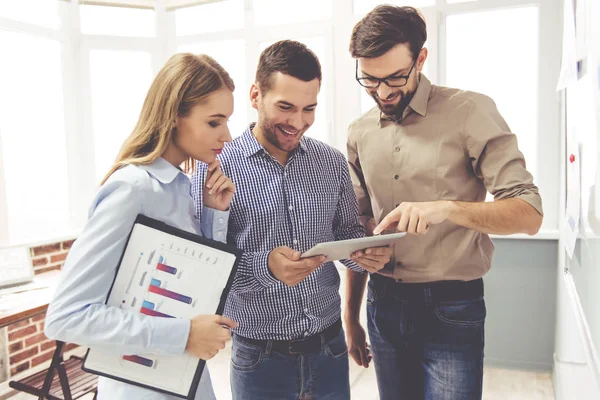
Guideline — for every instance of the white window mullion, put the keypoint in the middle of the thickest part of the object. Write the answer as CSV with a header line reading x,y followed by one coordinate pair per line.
x,y
329,86
4,236
438,61
346,98
30,29
252,55
548,140
78,139
432,63
171,35
162,36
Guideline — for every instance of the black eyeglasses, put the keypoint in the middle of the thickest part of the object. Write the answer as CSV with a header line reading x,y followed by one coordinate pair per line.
x,y
392,81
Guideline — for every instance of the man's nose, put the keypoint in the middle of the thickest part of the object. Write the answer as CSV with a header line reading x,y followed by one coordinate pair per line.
x,y
296,121
383,91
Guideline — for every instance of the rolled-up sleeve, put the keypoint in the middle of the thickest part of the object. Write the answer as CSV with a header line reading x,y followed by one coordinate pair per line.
x,y
495,156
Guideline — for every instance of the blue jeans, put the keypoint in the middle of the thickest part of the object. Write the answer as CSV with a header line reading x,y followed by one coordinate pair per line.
x,y
425,347
261,374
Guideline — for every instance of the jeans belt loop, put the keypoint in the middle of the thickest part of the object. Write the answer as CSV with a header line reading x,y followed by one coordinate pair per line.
x,y
268,348
290,347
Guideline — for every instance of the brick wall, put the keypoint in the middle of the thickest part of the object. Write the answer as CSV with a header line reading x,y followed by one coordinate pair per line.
x,y
50,256
27,345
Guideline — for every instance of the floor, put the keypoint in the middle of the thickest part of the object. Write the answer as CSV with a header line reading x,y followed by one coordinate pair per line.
x,y
498,384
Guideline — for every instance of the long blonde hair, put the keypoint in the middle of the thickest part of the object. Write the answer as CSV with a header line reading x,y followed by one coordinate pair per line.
x,y
183,82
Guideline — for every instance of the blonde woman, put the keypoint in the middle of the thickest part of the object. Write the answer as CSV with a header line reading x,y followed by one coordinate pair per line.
x,y
183,119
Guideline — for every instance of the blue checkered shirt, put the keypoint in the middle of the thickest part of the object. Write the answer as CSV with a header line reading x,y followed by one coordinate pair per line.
x,y
308,201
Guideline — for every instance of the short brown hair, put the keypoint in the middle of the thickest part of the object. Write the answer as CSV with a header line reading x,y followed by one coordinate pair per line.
x,y
385,27
290,58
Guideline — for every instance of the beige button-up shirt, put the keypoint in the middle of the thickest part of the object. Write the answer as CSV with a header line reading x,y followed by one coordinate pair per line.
x,y
450,145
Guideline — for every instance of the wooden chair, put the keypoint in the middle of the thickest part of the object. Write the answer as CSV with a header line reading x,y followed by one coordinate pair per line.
x,y
70,383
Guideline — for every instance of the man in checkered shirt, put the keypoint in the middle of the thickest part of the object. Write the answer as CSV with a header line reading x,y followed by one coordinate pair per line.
x,y
292,192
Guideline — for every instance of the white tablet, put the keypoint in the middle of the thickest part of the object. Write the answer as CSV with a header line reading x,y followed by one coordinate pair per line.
x,y
342,249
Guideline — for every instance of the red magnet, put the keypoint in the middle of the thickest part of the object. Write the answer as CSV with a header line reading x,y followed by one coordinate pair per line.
x,y
572,158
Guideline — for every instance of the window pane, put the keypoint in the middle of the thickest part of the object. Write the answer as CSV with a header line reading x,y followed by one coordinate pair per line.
x,y
38,12
32,136
277,12
119,82
231,55
117,21
493,65
364,6
320,128
367,102
213,17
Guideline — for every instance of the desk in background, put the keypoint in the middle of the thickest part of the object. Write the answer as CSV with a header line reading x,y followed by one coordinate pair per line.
x,y
23,344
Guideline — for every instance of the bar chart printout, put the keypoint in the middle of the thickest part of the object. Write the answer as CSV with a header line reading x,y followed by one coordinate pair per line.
x,y
166,268
146,362
153,288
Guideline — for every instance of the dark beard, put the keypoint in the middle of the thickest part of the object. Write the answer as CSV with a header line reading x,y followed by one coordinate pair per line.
x,y
269,133
396,111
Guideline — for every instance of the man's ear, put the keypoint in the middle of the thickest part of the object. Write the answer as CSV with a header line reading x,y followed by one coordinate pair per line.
x,y
254,95
422,57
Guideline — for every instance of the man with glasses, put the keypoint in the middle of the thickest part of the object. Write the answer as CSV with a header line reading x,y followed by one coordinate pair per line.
x,y
422,162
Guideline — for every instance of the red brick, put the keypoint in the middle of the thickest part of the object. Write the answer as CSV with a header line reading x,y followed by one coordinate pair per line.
x,y
39,261
70,346
50,344
21,333
42,326
35,339
42,270
49,248
17,325
24,355
19,368
38,318
68,244
58,257
41,358
16,346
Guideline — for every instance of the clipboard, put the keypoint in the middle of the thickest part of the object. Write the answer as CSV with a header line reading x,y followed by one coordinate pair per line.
x,y
165,272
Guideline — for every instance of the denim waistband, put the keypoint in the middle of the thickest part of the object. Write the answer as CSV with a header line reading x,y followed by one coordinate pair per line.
x,y
433,291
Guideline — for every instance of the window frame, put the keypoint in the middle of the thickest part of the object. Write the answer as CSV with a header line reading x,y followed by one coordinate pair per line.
x,y
338,83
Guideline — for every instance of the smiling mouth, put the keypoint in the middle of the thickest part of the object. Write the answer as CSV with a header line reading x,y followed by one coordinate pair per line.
x,y
288,133
389,99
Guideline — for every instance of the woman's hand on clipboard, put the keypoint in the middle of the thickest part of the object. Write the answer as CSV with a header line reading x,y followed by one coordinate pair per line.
x,y
218,188
209,334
